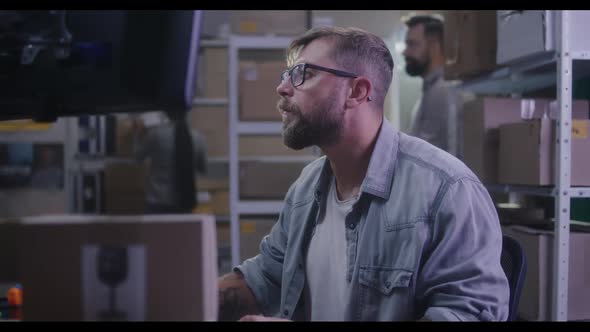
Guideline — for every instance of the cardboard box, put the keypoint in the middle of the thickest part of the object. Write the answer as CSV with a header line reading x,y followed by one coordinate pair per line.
x,y
124,135
483,116
265,145
220,202
535,299
211,184
481,119
264,22
124,176
267,180
470,43
252,231
257,91
527,153
213,202
124,187
212,123
213,73
162,267
525,33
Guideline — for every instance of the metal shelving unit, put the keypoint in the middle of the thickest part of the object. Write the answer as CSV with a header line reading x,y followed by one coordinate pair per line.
x,y
542,71
237,128
63,131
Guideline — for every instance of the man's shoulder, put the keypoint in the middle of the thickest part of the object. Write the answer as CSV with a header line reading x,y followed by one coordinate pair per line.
x,y
419,156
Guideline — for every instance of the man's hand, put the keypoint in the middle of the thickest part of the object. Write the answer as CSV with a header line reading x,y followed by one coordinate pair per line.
x,y
260,318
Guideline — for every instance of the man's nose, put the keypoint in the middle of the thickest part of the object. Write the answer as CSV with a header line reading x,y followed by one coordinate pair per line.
x,y
285,89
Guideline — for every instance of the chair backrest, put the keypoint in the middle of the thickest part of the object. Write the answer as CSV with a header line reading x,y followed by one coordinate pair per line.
x,y
514,265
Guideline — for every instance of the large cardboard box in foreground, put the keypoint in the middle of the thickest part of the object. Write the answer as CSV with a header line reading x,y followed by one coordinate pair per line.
x,y
535,299
527,153
153,268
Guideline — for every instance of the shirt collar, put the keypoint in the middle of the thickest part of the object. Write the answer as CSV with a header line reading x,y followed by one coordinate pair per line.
x,y
431,78
379,177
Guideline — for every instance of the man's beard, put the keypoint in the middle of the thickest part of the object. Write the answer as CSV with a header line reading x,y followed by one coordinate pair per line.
x,y
322,126
416,67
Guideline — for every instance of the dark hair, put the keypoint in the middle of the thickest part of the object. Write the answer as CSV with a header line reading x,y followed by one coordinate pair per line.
x,y
433,27
184,169
354,50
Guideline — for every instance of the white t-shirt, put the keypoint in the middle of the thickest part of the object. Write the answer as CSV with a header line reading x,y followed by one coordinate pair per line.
x,y
327,291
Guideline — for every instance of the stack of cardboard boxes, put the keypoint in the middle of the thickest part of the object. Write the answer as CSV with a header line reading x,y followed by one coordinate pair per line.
x,y
267,168
512,141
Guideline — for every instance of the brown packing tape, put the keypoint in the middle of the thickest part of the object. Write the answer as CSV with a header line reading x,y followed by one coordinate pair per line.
x,y
248,27
579,129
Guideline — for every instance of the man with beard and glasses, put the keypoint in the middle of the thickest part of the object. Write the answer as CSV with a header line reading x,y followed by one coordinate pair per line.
x,y
435,117
385,226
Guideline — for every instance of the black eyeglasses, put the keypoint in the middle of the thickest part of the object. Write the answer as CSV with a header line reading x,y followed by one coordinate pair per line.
x,y
297,73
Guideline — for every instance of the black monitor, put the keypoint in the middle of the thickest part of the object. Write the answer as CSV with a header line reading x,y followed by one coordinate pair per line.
x,y
63,63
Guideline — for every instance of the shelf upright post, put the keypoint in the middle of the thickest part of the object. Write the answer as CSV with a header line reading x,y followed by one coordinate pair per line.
x,y
233,49
562,171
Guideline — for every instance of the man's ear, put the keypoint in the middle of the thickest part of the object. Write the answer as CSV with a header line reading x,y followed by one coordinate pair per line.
x,y
360,92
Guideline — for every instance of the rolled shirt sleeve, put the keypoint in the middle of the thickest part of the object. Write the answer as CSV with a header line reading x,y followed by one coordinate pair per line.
x,y
263,273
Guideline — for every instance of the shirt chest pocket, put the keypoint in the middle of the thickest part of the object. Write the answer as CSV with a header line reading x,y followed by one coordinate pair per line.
x,y
385,293
384,280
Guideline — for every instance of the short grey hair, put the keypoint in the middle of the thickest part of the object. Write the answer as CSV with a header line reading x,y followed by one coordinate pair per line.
x,y
355,50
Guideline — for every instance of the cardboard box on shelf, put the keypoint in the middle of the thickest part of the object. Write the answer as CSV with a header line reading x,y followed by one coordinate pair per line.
x,y
124,137
213,202
213,73
483,116
124,187
220,202
252,231
124,176
257,91
264,22
527,153
267,180
470,43
535,299
481,119
212,124
267,145
212,184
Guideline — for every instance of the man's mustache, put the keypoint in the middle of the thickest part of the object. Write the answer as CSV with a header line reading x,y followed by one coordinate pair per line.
x,y
284,105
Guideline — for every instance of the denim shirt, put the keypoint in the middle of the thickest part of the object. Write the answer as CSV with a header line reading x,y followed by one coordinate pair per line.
x,y
423,240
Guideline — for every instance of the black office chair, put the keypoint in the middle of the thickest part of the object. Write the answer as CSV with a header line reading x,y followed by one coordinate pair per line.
x,y
514,264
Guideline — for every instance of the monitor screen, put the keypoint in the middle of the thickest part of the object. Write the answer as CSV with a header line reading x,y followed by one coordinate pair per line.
x,y
63,63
